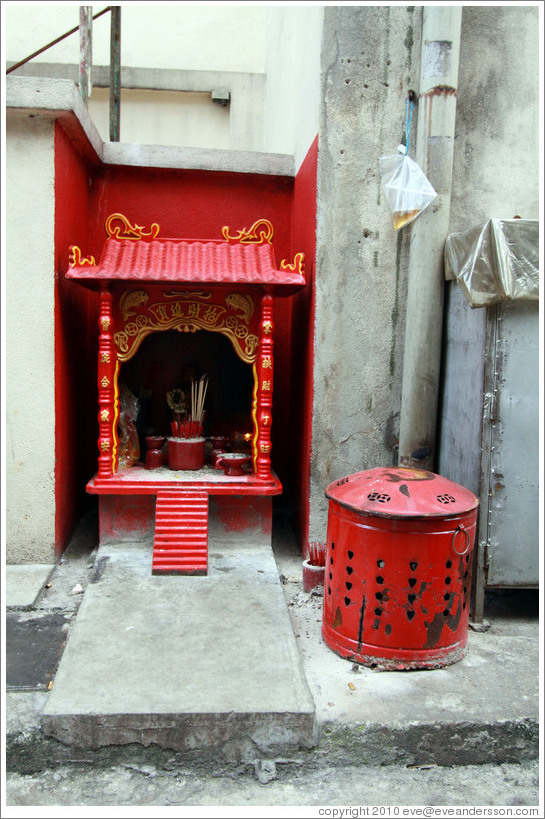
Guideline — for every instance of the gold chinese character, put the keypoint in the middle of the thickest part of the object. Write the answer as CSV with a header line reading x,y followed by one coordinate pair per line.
x,y
267,327
266,385
104,415
176,309
105,357
265,448
193,309
105,382
267,363
105,446
211,314
105,323
266,420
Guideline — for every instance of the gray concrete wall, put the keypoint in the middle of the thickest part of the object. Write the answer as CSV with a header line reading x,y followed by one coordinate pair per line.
x,y
496,148
370,60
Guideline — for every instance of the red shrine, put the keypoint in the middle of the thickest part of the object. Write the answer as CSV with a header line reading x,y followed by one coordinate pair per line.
x,y
156,296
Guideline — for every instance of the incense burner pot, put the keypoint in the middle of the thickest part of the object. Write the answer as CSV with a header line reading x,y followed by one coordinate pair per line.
x,y
234,463
186,453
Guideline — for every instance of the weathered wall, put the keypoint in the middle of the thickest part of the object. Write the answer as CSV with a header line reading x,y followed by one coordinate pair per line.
x,y
496,149
370,60
30,360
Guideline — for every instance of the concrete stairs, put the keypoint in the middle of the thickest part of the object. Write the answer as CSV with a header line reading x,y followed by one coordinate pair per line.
x,y
180,543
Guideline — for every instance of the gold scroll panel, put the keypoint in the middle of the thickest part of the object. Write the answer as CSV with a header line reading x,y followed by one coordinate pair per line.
x,y
140,318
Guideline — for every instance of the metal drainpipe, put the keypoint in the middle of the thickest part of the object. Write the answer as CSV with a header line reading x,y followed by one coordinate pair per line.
x,y
434,151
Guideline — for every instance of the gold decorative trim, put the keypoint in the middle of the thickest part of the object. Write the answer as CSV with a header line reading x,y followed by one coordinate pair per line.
x,y
126,230
244,304
185,317
130,299
187,294
297,266
75,258
261,231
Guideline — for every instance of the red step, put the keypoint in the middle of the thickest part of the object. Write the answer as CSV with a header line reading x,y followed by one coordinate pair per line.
x,y
180,544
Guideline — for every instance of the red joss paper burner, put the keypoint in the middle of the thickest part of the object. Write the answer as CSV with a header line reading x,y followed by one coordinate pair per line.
x,y
398,568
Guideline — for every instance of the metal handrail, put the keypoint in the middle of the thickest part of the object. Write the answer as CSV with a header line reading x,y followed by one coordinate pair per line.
x,y
53,42
115,66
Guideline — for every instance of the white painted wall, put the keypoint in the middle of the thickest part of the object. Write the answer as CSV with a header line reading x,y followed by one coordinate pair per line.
x,y
268,57
205,37
164,118
292,111
30,360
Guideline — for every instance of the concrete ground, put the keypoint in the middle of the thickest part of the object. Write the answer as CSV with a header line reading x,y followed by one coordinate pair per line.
x,y
462,735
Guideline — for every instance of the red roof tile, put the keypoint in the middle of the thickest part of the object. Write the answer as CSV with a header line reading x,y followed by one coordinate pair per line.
x,y
181,260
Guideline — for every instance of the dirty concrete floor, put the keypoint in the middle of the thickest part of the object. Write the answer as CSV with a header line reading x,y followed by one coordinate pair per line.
x,y
124,785
142,780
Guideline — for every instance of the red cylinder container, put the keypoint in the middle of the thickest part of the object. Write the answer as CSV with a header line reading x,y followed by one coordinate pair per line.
x,y
398,568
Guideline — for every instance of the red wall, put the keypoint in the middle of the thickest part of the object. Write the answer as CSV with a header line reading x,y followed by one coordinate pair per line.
x,y
303,305
76,430
189,204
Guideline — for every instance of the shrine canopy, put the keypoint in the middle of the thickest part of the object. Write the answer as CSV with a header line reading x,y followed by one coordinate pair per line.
x,y
246,259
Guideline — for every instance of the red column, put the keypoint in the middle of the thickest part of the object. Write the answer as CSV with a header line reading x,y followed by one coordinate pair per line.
x,y
107,388
264,372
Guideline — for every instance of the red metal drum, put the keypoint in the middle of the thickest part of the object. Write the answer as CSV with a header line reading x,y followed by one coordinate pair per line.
x,y
398,568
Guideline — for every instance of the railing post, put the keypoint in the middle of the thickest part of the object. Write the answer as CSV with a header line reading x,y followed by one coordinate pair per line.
x,y
85,51
115,72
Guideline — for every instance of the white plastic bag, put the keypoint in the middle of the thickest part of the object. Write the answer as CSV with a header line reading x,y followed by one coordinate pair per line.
x,y
407,189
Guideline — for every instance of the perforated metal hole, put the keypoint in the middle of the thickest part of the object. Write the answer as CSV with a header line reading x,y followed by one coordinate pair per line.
x,y
446,498
413,565
447,580
378,611
410,614
350,554
380,580
448,564
347,601
380,564
412,582
348,585
411,598
379,595
378,497
349,569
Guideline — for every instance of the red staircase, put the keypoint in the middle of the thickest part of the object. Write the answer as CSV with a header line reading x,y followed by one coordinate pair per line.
x,y
181,532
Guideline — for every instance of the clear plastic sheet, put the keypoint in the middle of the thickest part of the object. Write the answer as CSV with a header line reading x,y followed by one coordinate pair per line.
x,y
495,261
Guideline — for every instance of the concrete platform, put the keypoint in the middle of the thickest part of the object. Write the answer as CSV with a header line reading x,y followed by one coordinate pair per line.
x,y
24,582
184,663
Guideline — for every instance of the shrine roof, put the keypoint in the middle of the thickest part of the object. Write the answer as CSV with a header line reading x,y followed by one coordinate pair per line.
x,y
186,261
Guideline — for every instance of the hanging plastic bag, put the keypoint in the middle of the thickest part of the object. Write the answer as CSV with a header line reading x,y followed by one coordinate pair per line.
x,y
407,188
